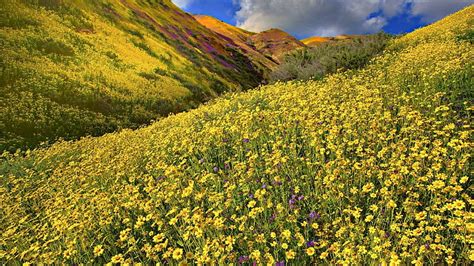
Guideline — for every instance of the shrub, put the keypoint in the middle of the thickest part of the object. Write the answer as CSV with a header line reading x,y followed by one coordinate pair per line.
x,y
316,62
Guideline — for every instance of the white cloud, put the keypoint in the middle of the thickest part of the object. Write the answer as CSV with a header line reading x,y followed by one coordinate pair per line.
x,y
182,3
333,17
433,10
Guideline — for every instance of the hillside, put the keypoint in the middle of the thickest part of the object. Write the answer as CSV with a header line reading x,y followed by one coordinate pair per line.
x,y
275,43
240,37
74,68
370,166
315,41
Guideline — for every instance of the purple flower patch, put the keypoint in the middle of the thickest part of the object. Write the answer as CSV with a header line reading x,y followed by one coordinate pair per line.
x,y
243,259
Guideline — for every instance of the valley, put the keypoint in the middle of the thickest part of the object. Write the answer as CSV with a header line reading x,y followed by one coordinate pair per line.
x,y
134,133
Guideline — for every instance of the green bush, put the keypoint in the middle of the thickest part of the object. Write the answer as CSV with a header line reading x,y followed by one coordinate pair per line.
x,y
316,62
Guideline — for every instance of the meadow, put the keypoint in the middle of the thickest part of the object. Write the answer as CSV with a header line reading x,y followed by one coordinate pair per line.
x,y
368,166
70,68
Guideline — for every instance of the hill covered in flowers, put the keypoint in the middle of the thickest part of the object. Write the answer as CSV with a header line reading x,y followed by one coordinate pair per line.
x,y
363,167
74,68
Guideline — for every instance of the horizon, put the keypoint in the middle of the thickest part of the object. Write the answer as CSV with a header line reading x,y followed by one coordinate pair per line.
x,y
307,18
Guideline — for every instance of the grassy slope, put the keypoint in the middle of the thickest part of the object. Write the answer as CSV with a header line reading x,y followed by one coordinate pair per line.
x,y
367,166
73,68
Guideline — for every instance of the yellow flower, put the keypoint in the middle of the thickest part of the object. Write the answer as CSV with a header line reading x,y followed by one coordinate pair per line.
x,y
391,204
369,218
290,254
252,204
438,184
310,251
368,187
420,216
189,255
158,238
324,255
98,250
284,246
470,227
394,260
117,258
255,255
286,234
374,208
270,259
471,255
177,253
459,204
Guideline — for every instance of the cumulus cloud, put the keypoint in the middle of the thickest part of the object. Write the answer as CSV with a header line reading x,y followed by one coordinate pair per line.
x,y
333,17
182,3
433,10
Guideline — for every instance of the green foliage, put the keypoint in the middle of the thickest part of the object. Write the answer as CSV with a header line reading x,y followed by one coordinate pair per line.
x,y
144,47
51,46
468,36
316,62
49,4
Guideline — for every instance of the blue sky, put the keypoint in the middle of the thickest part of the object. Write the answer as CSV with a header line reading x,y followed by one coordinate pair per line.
x,y
304,18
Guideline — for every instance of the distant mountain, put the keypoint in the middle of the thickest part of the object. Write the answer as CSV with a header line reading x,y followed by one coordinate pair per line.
x,y
74,68
240,37
275,43
317,40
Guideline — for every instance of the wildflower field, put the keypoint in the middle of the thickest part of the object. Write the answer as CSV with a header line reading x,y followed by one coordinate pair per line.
x,y
72,68
369,166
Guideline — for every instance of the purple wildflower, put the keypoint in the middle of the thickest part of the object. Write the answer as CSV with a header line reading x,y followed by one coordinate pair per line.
x,y
243,259
280,263
216,169
273,217
310,244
